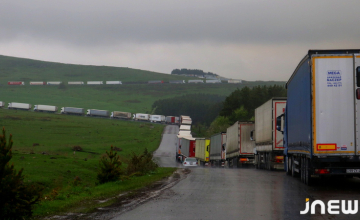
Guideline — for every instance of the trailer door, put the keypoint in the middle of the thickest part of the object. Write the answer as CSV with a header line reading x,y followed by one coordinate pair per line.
x,y
278,109
333,104
357,102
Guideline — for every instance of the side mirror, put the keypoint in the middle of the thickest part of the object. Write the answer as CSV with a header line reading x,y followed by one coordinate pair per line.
x,y
252,135
278,123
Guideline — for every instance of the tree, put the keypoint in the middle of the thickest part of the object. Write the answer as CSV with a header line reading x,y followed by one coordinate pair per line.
x,y
109,167
16,197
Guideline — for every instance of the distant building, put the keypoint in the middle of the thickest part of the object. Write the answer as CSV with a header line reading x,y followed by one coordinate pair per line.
x,y
234,81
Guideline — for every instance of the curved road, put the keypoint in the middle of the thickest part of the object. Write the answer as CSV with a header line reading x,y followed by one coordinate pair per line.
x,y
247,193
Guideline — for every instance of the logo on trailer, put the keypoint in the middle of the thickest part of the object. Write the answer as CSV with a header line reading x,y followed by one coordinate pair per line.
x,y
334,78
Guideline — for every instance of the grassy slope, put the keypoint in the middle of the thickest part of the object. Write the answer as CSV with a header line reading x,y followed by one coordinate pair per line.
x,y
12,69
57,168
131,98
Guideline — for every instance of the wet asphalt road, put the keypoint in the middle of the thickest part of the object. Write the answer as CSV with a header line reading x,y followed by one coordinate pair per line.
x,y
246,193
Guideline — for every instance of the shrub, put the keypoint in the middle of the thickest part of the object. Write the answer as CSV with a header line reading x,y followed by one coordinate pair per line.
x,y
77,148
141,164
16,197
109,167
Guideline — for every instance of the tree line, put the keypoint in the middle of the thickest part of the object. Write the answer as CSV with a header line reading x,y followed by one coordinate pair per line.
x,y
202,108
211,114
194,72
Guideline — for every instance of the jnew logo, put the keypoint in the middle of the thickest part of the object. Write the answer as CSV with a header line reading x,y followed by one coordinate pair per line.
x,y
333,207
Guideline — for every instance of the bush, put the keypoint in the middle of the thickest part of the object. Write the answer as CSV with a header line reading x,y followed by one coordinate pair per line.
x,y
16,198
109,167
141,164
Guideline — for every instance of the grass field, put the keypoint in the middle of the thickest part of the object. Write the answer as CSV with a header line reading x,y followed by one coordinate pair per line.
x,y
129,98
43,147
13,69
135,98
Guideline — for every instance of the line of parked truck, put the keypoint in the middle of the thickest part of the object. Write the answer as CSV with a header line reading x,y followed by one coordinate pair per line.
x,y
239,145
94,113
41,83
312,133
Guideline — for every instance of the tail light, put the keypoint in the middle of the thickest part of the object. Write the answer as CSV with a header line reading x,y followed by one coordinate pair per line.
x,y
358,93
242,160
322,171
184,162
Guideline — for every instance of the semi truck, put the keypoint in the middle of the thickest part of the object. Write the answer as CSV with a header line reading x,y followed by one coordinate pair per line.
x,y
202,151
157,118
45,108
218,149
239,146
37,83
155,82
94,82
97,113
172,120
269,146
177,81
53,83
72,111
322,117
195,81
21,106
186,147
19,83
122,115
113,82
75,83
141,117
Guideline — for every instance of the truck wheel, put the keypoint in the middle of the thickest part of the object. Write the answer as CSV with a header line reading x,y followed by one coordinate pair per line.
x,y
288,165
308,179
256,162
293,173
302,172
235,162
268,161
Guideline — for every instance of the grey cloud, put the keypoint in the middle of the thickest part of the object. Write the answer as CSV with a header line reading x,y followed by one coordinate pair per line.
x,y
99,23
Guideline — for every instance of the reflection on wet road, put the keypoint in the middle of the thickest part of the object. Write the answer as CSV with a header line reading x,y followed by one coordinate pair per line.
x,y
247,193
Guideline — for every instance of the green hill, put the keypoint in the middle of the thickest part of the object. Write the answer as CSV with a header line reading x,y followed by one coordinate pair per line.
x,y
20,69
127,97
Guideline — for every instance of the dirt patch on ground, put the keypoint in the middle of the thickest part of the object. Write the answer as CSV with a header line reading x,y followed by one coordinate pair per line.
x,y
128,201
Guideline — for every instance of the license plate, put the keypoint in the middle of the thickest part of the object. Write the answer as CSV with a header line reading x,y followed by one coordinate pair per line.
x,y
352,170
191,163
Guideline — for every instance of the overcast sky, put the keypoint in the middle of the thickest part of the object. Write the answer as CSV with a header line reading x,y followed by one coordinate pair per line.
x,y
240,39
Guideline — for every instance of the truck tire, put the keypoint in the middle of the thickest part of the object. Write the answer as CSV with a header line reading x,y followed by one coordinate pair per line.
x,y
302,172
235,164
288,165
293,173
308,179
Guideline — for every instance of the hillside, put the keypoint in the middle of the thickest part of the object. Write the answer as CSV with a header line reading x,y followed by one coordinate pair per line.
x,y
131,97
13,69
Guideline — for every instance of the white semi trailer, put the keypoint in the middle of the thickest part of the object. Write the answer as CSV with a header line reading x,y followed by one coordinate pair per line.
x,y
75,83
16,105
141,117
239,146
157,118
94,82
218,149
45,108
269,146
113,82
72,111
